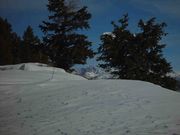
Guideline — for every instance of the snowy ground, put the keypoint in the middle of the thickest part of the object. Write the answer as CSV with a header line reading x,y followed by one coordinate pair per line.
x,y
32,103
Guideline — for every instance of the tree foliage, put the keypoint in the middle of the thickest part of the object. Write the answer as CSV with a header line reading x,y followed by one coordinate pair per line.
x,y
65,46
136,56
31,48
15,50
9,42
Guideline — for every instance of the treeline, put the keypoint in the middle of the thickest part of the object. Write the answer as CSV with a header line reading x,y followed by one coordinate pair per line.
x,y
14,50
125,54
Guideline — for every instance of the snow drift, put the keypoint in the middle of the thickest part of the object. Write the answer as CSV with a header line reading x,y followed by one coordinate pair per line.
x,y
30,73
32,102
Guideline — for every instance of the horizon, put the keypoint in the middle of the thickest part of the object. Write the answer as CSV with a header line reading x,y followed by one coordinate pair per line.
x,y
22,13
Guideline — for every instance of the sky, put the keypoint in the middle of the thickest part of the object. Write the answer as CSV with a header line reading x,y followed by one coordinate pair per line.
x,y
21,13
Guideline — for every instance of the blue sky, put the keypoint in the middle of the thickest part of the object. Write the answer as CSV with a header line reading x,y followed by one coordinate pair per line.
x,y
21,13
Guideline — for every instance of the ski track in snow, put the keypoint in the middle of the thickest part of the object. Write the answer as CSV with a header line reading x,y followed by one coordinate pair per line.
x,y
71,105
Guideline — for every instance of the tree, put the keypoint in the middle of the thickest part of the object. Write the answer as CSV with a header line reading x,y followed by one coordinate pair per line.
x,y
31,49
65,46
9,42
155,66
136,56
116,50
16,52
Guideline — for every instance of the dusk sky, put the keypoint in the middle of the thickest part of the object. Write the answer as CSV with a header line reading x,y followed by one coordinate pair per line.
x,y
21,13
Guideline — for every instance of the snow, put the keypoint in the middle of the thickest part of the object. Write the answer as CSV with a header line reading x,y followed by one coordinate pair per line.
x,y
30,73
93,73
32,102
30,67
110,34
89,72
90,75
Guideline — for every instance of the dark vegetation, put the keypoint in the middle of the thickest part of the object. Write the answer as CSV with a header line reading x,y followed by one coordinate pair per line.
x,y
126,55
137,56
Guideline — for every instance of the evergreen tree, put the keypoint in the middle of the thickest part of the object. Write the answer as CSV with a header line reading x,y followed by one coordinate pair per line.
x,y
9,42
16,48
137,56
31,47
65,46
5,42
116,50
155,66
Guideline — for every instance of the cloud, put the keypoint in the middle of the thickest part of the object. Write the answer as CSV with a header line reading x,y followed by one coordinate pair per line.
x,y
23,5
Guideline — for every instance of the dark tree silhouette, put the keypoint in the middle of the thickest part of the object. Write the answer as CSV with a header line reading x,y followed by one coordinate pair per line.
x,y
9,44
136,56
31,48
65,46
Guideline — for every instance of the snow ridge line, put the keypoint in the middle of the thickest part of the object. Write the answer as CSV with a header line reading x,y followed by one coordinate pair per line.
x,y
40,82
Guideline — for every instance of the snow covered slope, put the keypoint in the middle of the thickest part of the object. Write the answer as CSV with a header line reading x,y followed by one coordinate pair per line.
x,y
31,103
30,73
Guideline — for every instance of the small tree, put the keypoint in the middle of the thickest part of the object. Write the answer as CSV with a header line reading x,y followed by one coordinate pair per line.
x,y
137,56
65,46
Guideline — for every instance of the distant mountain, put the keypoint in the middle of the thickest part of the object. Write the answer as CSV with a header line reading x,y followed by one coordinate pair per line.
x,y
89,72
92,73
176,75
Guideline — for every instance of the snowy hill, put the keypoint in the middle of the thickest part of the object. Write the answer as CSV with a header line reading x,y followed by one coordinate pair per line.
x,y
32,102
30,73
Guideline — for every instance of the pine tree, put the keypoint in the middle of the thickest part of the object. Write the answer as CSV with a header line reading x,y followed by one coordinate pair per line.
x,y
8,43
16,48
155,66
116,50
65,46
30,47
137,56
